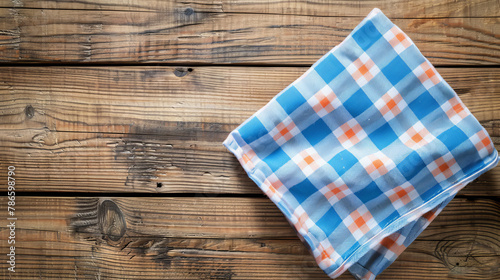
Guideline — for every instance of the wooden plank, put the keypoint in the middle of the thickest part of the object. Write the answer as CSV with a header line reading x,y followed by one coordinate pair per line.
x,y
184,35
121,99
134,163
221,238
345,8
128,129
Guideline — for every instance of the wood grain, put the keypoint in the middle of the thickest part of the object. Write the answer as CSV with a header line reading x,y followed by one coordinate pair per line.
x,y
108,99
135,163
182,34
160,129
168,201
221,238
356,8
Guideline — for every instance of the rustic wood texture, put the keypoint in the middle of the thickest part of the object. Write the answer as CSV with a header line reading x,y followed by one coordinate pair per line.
x,y
392,8
129,101
183,34
222,238
135,127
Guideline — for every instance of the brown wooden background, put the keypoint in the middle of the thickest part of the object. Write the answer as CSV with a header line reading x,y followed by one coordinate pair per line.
x,y
113,113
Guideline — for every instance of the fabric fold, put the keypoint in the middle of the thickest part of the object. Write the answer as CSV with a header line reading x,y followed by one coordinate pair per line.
x,y
363,150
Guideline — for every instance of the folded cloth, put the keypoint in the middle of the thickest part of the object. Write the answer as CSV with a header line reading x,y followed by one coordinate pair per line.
x,y
363,150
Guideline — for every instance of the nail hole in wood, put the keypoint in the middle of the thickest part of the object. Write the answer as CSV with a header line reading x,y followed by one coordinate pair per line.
x,y
29,111
181,72
188,11
159,185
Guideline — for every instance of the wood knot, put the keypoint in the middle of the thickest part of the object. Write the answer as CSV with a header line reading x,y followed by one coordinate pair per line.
x,y
469,255
181,72
189,11
29,111
111,221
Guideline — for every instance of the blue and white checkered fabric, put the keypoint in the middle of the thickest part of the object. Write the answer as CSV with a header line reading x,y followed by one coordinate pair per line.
x,y
364,149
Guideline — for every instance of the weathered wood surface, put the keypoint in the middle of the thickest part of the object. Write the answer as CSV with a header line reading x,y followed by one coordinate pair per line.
x,y
192,32
126,129
128,133
393,8
222,238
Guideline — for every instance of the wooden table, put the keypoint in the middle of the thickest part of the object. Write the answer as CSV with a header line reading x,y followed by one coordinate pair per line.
x,y
113,115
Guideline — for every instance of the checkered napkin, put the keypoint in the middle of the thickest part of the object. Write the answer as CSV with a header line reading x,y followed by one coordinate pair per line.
x,y
364,149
